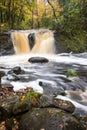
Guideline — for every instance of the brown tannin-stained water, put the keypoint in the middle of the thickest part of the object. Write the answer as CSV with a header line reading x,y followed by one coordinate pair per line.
x,y
49,78
44,42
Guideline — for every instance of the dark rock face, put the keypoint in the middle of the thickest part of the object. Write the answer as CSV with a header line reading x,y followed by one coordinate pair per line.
x,y
6,46
49,119
48,101
35,111
13,74
6,107
38,60
2,73
31,38
64,105
60,48
49,89
16,70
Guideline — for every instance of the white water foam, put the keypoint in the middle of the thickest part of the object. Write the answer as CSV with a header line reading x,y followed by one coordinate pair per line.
x,y
23,59
20,86
77,105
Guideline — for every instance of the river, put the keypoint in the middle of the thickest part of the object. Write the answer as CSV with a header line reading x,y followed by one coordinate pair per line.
x,y
50,78
64,76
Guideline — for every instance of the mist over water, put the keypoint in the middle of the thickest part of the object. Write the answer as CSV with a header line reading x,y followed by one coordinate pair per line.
x,y
51,75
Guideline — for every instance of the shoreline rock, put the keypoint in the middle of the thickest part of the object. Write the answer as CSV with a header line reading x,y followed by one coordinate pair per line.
x,y
32,110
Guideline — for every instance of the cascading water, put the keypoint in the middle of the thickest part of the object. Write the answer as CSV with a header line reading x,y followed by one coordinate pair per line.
x,y
20,43
51,75
44,42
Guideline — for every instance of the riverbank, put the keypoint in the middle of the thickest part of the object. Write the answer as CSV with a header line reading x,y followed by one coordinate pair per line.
x,y
63,43
30,110
76,43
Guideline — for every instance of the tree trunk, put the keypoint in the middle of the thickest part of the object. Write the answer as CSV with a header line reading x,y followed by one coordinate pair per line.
x,y
54,13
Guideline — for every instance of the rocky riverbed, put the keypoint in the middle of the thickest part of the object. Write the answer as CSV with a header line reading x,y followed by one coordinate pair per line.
x,y
42,92
34,111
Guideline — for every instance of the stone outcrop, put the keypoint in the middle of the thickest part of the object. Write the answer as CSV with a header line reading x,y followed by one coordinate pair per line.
x,y
35,111
6,46
49,119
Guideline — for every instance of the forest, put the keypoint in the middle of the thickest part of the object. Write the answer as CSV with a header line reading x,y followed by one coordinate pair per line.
x,y
67,17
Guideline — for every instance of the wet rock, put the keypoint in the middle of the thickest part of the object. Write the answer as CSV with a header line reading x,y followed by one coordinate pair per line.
x,y
38,60
31,99
16,70
13,77
2,73
51,89
22,106
49,101
36,111
6,105
14,73
31,38
45,101
6,46
49,119
64,105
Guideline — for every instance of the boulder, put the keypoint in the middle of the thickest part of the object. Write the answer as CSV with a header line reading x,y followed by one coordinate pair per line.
x,y
49,119
36,100
31,38
16,70
64,105
49,101
50,89
38,60
35,111
6,106
29,100
22,107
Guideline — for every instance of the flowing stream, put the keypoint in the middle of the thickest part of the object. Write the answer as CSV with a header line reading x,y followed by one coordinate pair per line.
x,y
52,75
50,78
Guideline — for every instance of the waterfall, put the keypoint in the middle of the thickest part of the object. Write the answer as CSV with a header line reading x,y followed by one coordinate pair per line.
x,y
20,43
39,41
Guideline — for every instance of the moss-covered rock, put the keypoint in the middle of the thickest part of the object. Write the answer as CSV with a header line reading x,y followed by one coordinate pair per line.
x,y
49,119
49,101
64,105
6,106
26,103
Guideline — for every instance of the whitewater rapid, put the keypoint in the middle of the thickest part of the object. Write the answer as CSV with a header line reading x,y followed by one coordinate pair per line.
x,y
51,74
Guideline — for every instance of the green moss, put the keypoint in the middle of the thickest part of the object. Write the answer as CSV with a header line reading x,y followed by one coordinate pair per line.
x,y
33,97
71,72
26,103
32,94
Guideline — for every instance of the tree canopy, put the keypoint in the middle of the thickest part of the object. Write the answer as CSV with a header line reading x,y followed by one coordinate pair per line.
x,y
67,17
